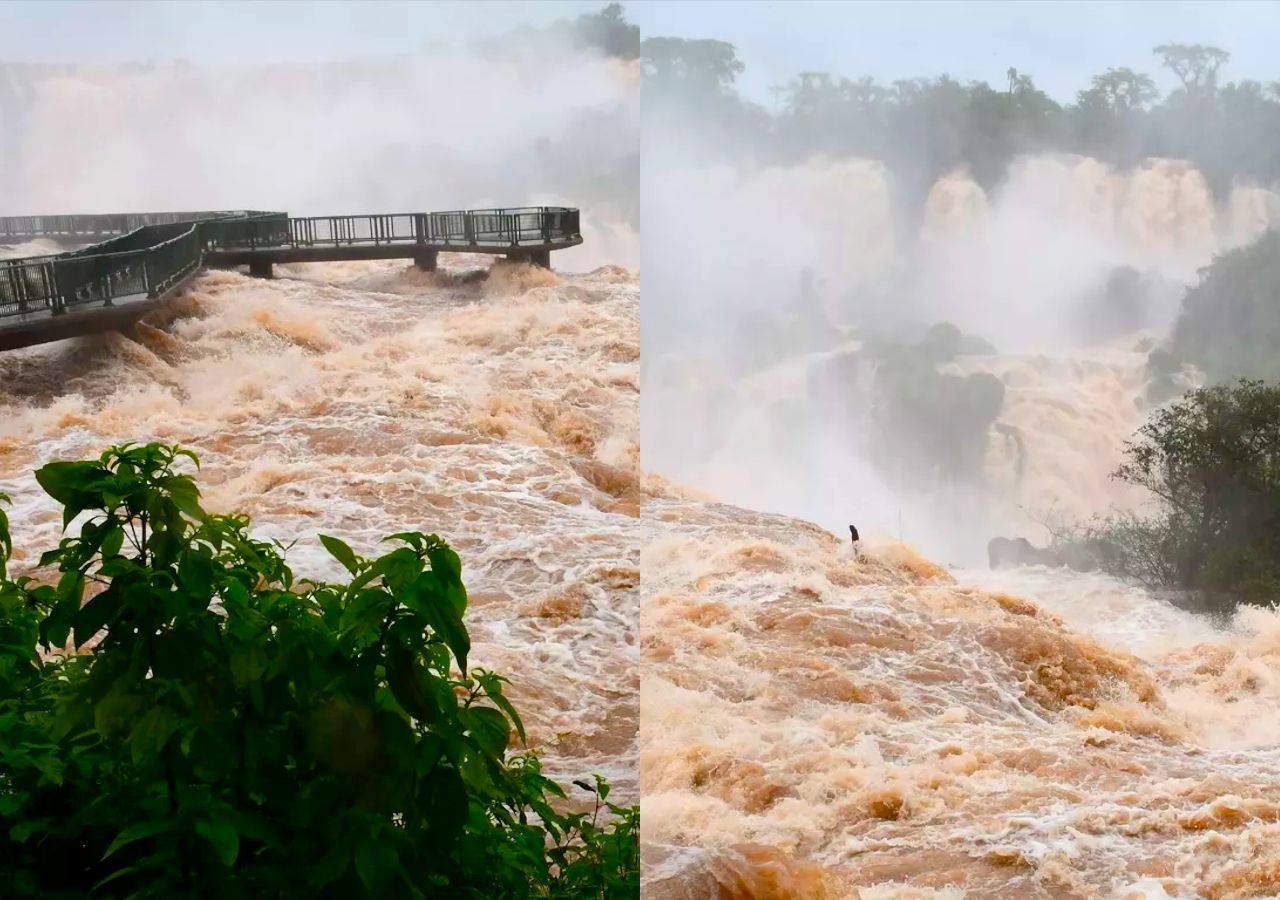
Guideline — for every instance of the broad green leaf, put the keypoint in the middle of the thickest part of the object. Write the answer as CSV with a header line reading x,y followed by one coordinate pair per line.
x,y
490,729
120,873
424,598
195,571
443,798
71,589
248,662
414,539
252,827
151,733
189,454
339,550
57,627
67,481
332,866
184,493
52,768
6,543
506,706
453,592
23,830
113,541
138,832
445,561
94,615
410,685
224,838
398,568
117,566
376,862
363,617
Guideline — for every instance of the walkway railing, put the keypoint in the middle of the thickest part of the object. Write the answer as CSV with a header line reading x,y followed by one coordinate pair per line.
x,y
14,229
153,252
487,227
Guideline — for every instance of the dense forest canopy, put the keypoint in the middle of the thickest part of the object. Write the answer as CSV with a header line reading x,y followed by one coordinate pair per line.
x,y
928,127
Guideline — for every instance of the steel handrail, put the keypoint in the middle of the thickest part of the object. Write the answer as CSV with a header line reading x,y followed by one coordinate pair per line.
x,y
97,272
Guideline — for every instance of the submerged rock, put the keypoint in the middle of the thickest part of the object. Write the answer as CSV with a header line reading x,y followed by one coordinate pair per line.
x,y
1002,552
1080,556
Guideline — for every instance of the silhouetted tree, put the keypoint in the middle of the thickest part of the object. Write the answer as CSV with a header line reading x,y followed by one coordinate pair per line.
x,y
608,31
1195,65
697,67
924,128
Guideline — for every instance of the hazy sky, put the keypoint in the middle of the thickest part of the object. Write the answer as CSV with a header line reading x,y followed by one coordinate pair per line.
x,y
1059,44
239,31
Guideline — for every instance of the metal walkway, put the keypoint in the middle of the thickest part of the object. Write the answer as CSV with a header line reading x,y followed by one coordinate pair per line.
x,y
136,261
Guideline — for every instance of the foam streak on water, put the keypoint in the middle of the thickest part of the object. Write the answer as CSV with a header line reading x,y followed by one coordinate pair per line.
x,y
362,399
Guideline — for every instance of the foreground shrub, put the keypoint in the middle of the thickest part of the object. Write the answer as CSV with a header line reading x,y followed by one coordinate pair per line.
x,y
180,718
1212,460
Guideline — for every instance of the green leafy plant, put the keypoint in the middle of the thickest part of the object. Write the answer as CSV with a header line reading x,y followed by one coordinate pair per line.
x,y
180,717
1212,462
1229,320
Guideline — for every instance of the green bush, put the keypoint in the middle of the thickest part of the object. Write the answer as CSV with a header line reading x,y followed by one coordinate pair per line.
x,y
1213,462
941,343
932,424
1230,320
222,730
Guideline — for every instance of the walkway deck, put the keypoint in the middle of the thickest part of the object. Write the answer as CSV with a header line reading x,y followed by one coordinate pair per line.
x,y
136,261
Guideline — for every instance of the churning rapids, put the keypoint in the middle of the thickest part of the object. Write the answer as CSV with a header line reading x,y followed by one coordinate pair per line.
x,y
820,726
361,399
816,724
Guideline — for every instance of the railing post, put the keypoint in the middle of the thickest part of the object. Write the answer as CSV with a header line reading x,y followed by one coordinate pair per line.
x,y
152,293
18,288
468,229
56,304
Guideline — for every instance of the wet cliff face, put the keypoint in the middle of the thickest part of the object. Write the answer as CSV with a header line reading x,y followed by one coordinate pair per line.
x,y
361,399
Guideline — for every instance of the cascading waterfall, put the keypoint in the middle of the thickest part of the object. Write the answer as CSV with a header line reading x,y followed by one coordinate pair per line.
x,y
823,725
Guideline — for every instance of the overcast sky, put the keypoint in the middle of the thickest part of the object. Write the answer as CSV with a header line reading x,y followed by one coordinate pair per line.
x,y
1060,44
226,31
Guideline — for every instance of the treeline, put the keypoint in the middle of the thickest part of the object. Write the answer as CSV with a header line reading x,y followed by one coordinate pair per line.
x,y
605,31
926,127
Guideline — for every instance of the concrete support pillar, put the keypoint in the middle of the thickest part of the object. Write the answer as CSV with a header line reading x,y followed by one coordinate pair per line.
x,y
261,268
425,260
533,257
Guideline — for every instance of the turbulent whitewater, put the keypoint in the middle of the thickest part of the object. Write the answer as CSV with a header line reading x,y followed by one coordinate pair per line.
x,y
815,724
361,399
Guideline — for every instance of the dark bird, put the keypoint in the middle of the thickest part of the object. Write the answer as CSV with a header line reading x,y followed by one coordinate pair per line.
x,y
853,532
